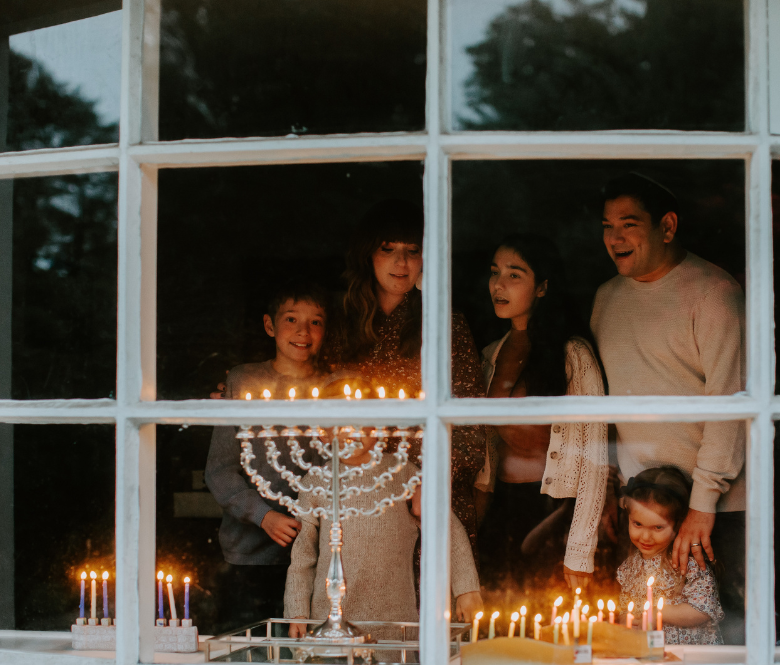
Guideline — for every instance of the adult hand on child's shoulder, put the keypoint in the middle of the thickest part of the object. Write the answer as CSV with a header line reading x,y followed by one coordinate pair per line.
x,y
467,605
694,539
297,630
280,528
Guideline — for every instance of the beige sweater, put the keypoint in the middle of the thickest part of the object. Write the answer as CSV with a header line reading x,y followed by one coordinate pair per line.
x,y
376,555
683,334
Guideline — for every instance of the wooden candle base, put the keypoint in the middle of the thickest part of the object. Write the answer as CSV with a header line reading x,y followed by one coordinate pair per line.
x,y
611,640
508,650
166,640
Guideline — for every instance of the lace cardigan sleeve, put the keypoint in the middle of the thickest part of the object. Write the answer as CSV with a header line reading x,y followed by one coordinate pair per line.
x,y
591,440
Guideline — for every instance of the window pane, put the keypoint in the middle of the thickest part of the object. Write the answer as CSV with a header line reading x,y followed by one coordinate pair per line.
x,y
638,64
56,521
270,68
559,507
645,344
63,88
232,239
59,285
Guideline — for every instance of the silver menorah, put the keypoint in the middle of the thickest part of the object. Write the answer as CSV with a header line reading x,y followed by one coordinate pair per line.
x,y
346,442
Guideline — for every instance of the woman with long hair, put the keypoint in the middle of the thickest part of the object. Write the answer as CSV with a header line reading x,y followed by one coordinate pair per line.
x,y
548,482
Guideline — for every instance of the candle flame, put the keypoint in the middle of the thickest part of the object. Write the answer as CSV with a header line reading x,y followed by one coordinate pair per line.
x,y
401,394
650,581
479,615
292,393
347,390
105,575
358,394
248,396
266,394
495,615
515,616
538,618
315,393
169,579
631,606
578,591
421,395
557,619
593,619
660,604
611,605
566,618
160,575
558,601
523,610
186,580
93,575
600,604
381,392
83,576
585,609
647,605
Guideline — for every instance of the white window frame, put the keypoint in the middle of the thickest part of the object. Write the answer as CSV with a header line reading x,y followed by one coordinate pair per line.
x,y
138,156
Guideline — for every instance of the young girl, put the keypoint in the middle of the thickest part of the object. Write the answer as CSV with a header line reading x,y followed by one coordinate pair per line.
x,y
657,503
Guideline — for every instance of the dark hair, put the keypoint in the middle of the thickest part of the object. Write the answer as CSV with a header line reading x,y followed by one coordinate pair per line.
x,y
392,220
652,196
554,319
298,290
667,486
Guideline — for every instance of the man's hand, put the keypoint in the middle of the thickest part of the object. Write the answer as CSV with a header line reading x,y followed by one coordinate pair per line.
x,y
415,505
281,528
693,539
576,578
221,388
467,605
297,629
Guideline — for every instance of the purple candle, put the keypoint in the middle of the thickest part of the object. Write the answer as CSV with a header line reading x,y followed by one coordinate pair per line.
x,y
186,597
160,611
81,603
105,595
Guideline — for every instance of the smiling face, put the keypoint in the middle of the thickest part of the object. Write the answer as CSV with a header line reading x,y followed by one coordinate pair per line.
x,y
649,528
513,287
640,249
397,266
298,328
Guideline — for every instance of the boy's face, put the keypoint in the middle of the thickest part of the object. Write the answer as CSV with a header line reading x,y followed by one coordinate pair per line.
x,y
298,329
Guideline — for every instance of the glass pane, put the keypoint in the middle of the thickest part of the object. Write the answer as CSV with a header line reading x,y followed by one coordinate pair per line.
x,y
582,65
270,68
58,332
558,206
232,241
56,521
250,558
583,504
63,88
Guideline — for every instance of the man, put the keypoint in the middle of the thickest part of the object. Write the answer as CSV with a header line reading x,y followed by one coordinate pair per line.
x,y
671,323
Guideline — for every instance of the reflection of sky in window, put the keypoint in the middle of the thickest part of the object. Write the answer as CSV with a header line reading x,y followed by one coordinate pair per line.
x,y
84,55
468,24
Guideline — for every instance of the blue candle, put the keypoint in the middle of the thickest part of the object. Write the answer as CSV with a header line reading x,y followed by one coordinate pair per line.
x,y
160,611
81,603
186,597
105,595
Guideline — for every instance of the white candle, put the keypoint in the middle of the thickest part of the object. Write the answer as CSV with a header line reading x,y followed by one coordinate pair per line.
x,y
537,626
492,627
515,617
565,624
590,629
629,616
171,601
556,630
659,623
611,608
650,581
522,621
601,610
644,615
575,615
556,605
93,599
475,627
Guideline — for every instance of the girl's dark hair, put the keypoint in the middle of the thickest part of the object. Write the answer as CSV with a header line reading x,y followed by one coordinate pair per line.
x,y
392,220
666,486
554,320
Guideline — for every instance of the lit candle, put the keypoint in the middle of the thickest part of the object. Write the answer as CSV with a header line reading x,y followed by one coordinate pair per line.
x,y
565,624
421,395
629,616
650,581
358,394
659,618
93,602
584,612
537,626
381,392
556,605
315,393
105,595
475,627
590,629
187,594
515,617
600,605
522,621
492,627
171,601
248,396
556,630
644,615
577,593
401,394
160,610
292,394
575,616
81,602
611,608
347,391
266,394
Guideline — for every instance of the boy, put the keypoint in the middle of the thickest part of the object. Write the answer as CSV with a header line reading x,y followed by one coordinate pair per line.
x,y
255,534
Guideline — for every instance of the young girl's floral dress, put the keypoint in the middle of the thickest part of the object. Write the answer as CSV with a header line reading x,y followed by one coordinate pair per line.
x,y
700,592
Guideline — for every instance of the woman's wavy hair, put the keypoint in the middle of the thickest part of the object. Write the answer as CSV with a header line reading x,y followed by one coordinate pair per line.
x,y
392,220
554,319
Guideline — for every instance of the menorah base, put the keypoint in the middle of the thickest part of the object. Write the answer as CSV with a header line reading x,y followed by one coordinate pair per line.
x,y
339,631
